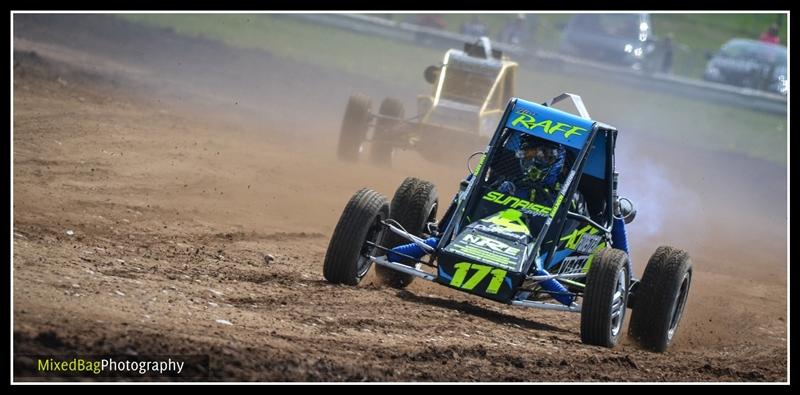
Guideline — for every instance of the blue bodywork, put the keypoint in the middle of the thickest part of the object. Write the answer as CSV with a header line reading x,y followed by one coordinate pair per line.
x,y
553,124
550,124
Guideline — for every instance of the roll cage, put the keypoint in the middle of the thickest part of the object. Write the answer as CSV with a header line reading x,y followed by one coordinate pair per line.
x,y
591,171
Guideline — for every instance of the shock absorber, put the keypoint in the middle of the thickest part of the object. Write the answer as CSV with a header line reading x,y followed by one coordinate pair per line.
x,y
411,249
560,293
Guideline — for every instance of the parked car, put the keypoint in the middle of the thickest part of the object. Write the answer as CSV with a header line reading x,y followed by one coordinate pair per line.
x,y
750,64
622,39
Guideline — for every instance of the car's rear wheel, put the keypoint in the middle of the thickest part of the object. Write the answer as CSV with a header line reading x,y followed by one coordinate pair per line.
x,y
661,298
347,261
415,203
382,142
355,125
605,298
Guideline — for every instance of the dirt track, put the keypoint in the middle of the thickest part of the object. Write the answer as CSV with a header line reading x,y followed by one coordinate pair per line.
x,y
176,185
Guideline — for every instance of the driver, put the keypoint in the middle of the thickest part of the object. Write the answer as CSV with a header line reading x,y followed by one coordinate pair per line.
x,y
541,164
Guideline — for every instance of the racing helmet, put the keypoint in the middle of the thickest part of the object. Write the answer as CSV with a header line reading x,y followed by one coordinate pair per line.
x,y
541,161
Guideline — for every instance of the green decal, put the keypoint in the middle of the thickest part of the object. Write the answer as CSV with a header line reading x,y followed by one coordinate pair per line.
x,y
573,238
480,164
511,220
555,206
460,274
481,255
476,278
547,126
481,271
498,275
516,203
591,258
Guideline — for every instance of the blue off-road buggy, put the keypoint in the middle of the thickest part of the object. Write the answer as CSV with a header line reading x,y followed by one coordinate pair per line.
x,y
567,253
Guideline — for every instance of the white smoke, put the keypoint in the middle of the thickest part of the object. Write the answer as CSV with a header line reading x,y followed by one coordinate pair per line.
x,y
667,211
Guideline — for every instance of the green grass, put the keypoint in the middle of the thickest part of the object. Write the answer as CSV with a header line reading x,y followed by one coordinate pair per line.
x,y
703,124
304,42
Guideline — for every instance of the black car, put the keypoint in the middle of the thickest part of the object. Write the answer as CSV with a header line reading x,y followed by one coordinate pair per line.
x,y
750,64
622,39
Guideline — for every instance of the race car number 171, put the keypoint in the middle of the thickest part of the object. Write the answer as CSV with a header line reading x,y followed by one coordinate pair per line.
x,y
481,271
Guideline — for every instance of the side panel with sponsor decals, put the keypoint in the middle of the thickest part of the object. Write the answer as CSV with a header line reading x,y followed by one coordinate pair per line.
x,y
576,249
573,262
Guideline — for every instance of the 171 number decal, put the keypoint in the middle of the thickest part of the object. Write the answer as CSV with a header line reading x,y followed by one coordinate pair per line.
x,y
481,271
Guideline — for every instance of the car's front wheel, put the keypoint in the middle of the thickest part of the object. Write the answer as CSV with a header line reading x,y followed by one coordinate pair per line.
x,y
605,298
347,260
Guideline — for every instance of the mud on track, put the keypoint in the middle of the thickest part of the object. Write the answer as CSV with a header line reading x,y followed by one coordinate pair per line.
x,y
176,185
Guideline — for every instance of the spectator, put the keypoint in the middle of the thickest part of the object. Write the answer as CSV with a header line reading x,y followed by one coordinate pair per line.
x,y
475,27
431,20
514,33
532,25
771,35
668,47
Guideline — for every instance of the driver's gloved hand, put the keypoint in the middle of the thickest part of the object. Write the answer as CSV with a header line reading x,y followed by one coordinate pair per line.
x,y
507,187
